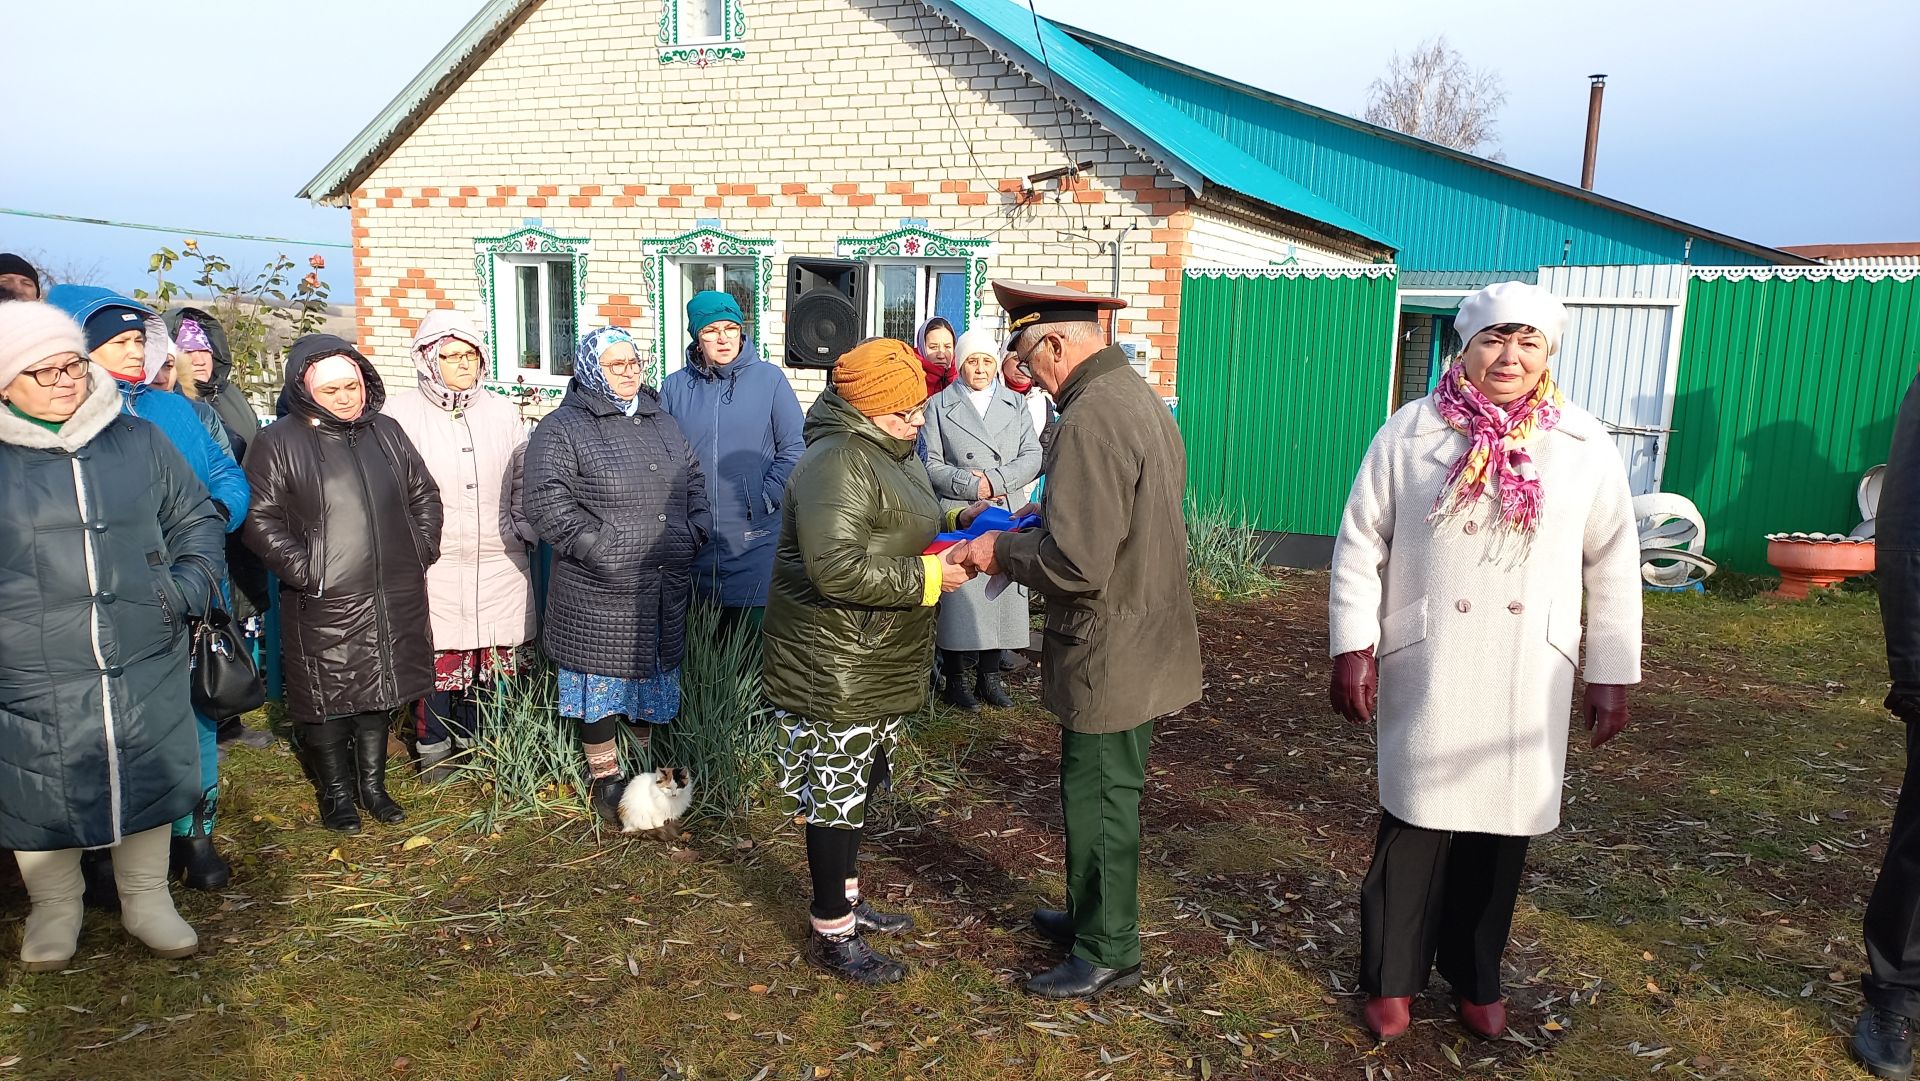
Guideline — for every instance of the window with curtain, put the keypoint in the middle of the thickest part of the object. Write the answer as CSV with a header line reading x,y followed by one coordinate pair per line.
x,y
903,295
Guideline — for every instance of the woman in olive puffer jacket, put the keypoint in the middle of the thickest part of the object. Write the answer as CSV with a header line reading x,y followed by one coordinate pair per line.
x,y
347,515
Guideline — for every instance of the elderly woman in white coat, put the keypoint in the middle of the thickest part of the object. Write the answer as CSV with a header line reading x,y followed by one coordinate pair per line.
x,y
480,593
981,446
1480,515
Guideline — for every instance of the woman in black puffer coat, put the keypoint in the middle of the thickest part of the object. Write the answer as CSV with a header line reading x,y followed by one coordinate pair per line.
x,y
613,486
108,545
347,515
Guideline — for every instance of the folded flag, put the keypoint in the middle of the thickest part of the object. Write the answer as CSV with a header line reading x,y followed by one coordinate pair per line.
x,y
992,519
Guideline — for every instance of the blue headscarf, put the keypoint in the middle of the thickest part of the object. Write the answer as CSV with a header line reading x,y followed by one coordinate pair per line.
x,y
586,365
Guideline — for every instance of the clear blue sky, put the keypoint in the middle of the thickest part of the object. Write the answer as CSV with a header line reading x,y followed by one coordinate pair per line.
x,y
1778,121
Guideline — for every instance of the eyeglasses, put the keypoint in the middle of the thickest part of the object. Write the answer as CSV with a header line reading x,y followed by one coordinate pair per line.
x,y
75,370
913,416
620,367
715,333
464,356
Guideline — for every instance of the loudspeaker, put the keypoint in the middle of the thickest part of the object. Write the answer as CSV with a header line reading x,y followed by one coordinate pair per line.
x,y
826,306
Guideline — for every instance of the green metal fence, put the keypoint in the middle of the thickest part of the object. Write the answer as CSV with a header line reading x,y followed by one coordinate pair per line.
x,y
1283,380
1787,391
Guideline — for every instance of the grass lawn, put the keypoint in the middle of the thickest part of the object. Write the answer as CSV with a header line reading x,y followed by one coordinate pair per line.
x,y
1697,914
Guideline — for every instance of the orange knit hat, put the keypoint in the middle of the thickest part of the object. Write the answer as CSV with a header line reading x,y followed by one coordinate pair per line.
x,y
880,376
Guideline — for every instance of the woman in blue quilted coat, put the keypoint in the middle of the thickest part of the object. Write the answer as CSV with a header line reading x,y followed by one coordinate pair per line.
x,y
614,487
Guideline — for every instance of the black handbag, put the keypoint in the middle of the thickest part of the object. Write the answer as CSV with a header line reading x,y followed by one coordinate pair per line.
x,y
222,679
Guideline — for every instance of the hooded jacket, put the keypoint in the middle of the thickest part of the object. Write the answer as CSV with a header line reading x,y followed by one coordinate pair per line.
x,y
622,501
227,400
102,537
745,425
169,412
849,627
349,517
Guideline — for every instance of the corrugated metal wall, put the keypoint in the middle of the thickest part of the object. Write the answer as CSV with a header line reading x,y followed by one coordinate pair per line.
x,y
1787,393
1614,355
1283,381
1445,213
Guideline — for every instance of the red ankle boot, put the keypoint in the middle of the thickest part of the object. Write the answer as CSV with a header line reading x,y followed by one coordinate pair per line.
x,y
1488,1022
1388,1018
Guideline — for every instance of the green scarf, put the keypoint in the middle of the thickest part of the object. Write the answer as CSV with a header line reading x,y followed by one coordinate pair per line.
x,y
49,425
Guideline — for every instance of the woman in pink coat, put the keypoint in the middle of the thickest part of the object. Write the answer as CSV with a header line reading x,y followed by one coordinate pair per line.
x,y
481,590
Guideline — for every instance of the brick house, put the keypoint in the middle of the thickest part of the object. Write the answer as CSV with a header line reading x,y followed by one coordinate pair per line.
x,y
564,164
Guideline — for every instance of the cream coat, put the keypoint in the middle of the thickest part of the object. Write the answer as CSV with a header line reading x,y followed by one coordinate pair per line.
x,y
1477,646
481,590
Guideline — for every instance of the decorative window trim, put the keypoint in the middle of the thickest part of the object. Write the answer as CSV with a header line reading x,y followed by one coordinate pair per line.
x,y
1370,270
711,244
704,51
528,241
925,245
1806,273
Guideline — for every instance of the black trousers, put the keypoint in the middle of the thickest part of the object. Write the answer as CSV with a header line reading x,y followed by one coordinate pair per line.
x,y
833,853
1432,895
1892,925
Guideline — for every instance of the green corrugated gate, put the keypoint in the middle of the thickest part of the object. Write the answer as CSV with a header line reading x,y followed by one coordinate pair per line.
x,y
1283,380
1787,390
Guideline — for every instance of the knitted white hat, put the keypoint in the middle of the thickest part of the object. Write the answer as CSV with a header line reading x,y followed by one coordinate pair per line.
x,y
977,340
30,332
1512,302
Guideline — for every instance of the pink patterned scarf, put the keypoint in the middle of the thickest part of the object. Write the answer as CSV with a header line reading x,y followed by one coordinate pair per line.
x,y
1496,451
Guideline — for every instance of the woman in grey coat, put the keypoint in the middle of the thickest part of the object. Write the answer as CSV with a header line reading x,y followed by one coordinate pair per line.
x,y
980,446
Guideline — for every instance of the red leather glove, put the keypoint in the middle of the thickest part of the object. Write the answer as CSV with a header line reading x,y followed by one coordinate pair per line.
x,y
1356,685
1605,710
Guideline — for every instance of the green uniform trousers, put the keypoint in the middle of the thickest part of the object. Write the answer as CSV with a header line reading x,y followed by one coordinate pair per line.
x,y
1101,777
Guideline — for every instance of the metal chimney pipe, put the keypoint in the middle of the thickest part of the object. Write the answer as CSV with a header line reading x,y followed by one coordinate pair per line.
x,y
1594,94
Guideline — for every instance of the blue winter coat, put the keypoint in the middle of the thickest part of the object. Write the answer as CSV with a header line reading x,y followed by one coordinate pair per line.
x,y
745,426
171,413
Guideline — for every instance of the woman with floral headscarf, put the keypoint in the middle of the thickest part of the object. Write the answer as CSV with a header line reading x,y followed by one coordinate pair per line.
x,y
1481,515
481,590
614,487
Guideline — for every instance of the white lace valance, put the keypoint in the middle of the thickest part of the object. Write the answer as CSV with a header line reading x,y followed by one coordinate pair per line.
x,y
1370,270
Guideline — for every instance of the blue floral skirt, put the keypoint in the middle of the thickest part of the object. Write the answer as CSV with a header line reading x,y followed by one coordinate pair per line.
x,y
588,697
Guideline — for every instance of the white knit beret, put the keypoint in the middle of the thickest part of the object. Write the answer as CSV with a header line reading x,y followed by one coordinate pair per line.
x,y
1512,302
30,332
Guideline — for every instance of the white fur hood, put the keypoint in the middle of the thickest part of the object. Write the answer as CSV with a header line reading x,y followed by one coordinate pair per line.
x,y
95,413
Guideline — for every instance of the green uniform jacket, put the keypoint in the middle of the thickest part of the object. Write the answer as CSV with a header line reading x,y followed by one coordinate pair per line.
x,y
849,626
1121,647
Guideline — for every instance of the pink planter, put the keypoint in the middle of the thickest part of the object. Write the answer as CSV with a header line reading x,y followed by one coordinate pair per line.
x,y
1816,562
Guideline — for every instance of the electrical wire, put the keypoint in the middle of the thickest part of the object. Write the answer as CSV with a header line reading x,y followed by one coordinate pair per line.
x,y
171,229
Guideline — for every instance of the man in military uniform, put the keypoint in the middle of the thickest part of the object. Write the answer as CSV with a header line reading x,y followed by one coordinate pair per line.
x,y
1121,647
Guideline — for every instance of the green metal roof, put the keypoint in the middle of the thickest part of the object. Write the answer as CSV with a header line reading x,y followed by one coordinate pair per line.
x,y
1448,209
1198,157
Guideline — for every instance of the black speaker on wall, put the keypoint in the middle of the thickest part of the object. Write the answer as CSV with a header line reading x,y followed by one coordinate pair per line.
x,y
826,305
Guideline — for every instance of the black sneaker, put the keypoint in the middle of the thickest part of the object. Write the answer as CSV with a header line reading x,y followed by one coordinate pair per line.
x,y
868,918
1883,1043
850,958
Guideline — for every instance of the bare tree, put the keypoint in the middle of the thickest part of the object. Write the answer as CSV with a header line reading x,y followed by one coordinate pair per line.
x,y
64,270
1432,93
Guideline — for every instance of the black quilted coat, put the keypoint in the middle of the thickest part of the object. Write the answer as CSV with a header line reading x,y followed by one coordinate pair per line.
x,y
348,517
97,739
623,504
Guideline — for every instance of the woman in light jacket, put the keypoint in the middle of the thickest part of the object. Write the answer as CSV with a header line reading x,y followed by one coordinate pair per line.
x,y
980,446
1480,516
480,593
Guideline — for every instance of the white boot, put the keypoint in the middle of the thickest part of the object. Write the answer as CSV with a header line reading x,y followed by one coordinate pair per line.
x,y
53,927
146,908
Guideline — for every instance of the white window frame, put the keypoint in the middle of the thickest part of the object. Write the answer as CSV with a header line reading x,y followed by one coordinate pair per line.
x,y
674,304
924,270
506,316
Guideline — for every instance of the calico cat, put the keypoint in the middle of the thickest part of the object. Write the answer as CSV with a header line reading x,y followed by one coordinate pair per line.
x,y
654,802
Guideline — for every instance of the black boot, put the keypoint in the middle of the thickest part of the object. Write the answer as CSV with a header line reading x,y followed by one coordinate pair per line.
x,y
96,870
1055,926
991,688
195,863
850,958
370,768
959,692
327,752
868,918
1077,977
603,795
1883,1043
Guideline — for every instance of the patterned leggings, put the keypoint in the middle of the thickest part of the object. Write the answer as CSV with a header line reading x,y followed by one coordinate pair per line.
x,y
833,856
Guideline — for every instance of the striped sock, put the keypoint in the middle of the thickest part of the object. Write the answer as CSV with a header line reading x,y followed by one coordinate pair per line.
x,y
840,928
853,891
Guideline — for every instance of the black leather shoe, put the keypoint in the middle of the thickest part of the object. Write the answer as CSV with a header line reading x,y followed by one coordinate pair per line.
x,y
866,918
993,691
850,958
1077,977
1054,925
603,795
958,694
331,766
1883,1043
370,771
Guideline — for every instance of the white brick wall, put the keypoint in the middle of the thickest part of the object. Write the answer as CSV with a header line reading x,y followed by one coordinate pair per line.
x,y
1222,240
845,117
